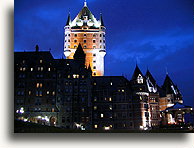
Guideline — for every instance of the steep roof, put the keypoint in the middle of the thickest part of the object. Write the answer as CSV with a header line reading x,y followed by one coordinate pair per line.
x,y
136,72
85,12
79,53
151,82
101,20
170,87
68,20
151,78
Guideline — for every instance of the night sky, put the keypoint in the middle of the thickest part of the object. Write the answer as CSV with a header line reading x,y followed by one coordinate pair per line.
x,y
157,34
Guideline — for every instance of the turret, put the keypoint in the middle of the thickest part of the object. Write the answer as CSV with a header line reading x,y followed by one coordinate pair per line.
x,y
37,48
68,23
80,55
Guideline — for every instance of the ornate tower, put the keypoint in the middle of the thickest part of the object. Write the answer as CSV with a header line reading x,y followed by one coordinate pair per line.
x,y
86,30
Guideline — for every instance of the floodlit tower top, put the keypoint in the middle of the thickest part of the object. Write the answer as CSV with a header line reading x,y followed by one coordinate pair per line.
x,y
85,3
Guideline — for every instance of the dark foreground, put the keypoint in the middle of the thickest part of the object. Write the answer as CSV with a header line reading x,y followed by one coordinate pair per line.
x,y
26,127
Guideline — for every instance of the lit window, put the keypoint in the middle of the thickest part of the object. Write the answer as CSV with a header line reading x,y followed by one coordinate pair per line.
x,y
83,110
53,110
83,76
101,115
69,76
21,69
40,85
53,93
123,90
110,107
95,126
29,92
94,83
75,76
47,92
139,79
110,99
37,85
40,61
110,83
95,107
41,68
111,126
49,69
31,69
24,69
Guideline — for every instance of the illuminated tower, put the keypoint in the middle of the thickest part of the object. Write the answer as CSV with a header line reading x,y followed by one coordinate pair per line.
x,y
86,30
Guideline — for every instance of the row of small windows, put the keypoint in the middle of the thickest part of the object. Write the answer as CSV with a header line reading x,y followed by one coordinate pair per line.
x,y
85,41
40,61
38,93
94,35
125,125
94,46
105,99
32,69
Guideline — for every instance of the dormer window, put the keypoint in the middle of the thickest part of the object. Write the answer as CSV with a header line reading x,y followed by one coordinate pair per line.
x,y
139,79
85,17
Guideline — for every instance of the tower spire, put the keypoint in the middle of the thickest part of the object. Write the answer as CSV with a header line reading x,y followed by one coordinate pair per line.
x,y
101,20
85,3
166,71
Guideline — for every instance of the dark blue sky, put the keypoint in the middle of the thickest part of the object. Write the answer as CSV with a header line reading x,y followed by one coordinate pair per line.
x,y
155,33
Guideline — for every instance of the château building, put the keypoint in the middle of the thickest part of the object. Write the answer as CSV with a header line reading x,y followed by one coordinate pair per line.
x,y
73,93
86,30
